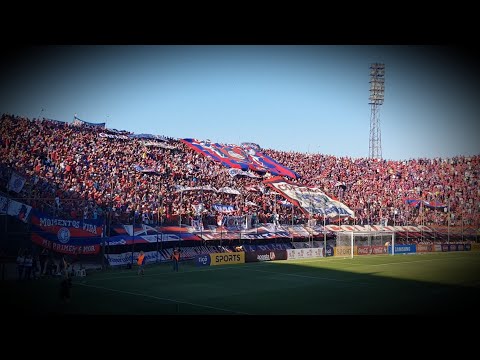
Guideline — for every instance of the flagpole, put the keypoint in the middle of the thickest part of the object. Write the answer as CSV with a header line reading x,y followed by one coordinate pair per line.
x,y
422,210
408,213
158,208
435,217
293,207
201,215
324,235
133,234
158,219
309,221
339,217
463,215
448,221
180,209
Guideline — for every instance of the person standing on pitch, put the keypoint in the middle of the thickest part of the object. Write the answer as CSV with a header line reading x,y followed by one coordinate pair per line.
x,y
176,258
141,263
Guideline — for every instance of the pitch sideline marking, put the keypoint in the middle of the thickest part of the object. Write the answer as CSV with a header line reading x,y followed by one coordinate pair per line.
x,y
160,298
211,268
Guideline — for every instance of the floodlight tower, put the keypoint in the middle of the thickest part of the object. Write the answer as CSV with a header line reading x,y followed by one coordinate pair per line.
x,y
377,91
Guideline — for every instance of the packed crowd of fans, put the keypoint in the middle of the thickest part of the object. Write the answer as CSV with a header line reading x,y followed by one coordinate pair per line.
x,y
74,171
377,189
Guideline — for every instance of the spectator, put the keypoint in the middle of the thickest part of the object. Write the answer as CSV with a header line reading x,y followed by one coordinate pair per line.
x,y
20,263
28,264
176,258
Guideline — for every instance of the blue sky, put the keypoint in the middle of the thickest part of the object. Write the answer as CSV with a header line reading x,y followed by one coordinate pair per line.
x,y
300,98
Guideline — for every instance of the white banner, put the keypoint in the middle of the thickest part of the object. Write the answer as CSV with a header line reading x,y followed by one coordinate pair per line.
x,y
197,225
308,253
229,190
14,208
112,136
223,208
239,172
198,208
16,182
179,188
158,144
311,199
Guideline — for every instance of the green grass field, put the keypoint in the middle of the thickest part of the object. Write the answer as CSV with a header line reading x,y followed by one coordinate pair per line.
x,y
435,283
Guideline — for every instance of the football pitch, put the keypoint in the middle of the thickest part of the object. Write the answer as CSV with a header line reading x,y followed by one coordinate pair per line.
x,y
433,283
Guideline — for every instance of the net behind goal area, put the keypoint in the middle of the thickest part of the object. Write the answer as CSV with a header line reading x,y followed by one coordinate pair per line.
x,y
349,244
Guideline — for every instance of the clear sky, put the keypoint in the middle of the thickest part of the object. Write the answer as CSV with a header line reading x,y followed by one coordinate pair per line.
x,y
300,98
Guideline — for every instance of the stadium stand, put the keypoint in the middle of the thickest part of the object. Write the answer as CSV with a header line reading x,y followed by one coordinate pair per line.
x,y
98,173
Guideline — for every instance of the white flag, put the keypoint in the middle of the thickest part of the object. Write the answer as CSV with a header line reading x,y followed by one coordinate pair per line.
x,y
19,210
16,182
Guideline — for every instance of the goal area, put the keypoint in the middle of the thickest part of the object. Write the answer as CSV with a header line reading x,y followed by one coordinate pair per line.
x,y
351,243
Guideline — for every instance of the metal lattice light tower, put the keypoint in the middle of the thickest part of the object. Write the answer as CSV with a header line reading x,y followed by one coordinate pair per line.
x,y
377,92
